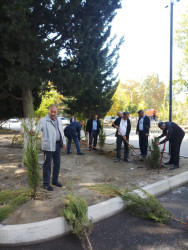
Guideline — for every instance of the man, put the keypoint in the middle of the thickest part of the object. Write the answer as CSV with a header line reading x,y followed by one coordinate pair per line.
x,y
72,119
174,134
53,140
124,126
72,132
119,114
93,127
142,130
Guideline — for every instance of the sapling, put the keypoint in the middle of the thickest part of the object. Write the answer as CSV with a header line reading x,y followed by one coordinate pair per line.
x,y
75,212
153,158
102,138
31,152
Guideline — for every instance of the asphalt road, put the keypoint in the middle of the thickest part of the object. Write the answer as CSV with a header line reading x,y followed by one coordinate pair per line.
x,y
112,139
127,232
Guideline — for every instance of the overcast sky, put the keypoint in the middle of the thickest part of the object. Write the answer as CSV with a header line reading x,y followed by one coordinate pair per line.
x,y
146,27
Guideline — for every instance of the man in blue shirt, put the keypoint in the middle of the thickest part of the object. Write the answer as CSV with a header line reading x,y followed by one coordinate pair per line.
x,y
142,130
93,126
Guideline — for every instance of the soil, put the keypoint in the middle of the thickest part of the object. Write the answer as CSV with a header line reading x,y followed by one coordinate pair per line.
x,y
93,168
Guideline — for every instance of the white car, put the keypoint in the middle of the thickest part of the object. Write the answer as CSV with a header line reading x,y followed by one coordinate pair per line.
x,y
15,119
109,119
65,121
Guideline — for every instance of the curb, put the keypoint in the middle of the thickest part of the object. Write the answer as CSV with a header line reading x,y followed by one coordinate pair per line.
x,y
45,230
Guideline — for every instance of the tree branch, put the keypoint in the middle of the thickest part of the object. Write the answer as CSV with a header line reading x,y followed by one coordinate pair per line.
x,y
9,94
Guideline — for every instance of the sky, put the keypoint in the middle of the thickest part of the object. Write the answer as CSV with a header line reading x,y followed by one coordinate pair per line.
x,y
146,27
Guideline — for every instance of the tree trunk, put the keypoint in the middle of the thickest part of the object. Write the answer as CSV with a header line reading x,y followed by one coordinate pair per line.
x,y
27,101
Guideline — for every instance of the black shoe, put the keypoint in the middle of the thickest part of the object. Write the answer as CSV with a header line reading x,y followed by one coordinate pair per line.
x,y
89,149
144,156
80,153
49,188
168,163
127,160
57,184
117,160
173,167
94,149
68,153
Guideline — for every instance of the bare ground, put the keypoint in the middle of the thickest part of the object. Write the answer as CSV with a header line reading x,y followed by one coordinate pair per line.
x,y
83,171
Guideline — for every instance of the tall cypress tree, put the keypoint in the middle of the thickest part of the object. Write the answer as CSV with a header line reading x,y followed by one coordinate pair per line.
x,y
92,58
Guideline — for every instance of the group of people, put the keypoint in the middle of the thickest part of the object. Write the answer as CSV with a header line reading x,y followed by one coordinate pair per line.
x,y
53,139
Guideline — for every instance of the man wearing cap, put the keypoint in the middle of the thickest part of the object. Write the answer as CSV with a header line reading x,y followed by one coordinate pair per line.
x,y
122,124
174,134
142,130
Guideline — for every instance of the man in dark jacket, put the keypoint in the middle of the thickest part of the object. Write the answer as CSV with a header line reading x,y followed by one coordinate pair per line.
x,y
73,119
174,134
72,132
93,127
124,126
142,130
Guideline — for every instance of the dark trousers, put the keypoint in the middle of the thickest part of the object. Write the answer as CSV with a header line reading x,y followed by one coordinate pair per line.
x,y
143,143
126,148
175,151
49,155
76,141
93,138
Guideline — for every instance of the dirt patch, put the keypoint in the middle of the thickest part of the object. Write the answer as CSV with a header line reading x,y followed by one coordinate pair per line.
x,y
83,171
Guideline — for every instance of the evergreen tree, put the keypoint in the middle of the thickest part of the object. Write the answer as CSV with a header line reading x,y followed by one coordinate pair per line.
x,y
34,32
92,60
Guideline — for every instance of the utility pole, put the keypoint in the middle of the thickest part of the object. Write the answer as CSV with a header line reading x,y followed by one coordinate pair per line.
x,y
171,55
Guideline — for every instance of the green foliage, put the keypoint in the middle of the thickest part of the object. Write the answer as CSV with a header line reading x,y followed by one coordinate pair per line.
x,y
108,190
10,200
153,158
131,108
75,212
50,97
31,152
149,208
102,138
94,58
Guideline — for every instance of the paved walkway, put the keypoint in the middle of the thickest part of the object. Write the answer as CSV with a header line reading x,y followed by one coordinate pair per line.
x,y
127,232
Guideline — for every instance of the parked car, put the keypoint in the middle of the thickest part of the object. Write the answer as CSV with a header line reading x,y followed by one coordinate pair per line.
x,y
109,119
14,119
65,121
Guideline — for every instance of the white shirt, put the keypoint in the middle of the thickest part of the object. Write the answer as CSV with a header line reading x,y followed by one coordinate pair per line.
x,y
141,124
123,127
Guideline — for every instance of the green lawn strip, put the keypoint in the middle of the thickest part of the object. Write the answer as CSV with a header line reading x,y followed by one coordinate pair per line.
x,y
107,189
10,200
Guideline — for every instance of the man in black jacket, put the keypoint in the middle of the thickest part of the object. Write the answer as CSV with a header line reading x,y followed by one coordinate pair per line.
x,y
174,134
124,126
72,132
142,130
93,127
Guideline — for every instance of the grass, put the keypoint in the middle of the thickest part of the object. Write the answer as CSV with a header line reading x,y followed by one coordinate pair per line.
x,y
107,190
10,200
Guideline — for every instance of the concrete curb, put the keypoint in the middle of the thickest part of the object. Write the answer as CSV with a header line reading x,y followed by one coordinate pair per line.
x,y
49,229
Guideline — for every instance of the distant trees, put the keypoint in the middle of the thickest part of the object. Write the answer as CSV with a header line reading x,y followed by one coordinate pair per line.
x,y
133,95
181,39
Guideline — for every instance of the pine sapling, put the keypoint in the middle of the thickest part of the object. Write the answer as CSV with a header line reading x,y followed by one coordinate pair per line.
x,y
102,138
75,212
153,158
